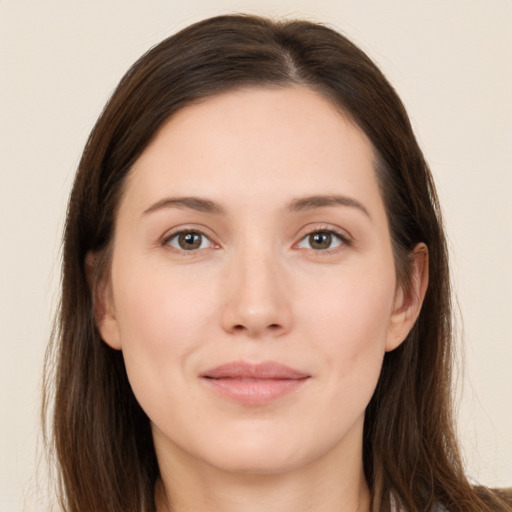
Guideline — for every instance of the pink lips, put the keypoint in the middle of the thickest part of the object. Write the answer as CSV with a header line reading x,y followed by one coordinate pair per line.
x,y
253,384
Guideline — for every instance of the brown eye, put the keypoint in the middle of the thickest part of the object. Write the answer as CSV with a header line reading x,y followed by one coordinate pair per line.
x,y
188,241
322,240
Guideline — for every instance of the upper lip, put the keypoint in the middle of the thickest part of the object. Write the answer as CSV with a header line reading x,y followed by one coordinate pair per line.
x,y
268,370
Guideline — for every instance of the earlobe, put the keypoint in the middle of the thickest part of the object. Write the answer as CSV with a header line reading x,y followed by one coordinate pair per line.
x,y
408,301
103,307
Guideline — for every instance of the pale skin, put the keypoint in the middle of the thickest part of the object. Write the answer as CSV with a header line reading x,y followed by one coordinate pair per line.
x,y
284,256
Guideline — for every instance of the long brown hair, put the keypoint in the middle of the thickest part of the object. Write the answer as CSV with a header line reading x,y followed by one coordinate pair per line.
x,y
100,434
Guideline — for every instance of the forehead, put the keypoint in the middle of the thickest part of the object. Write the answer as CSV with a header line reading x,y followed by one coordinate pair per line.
x,y
256,143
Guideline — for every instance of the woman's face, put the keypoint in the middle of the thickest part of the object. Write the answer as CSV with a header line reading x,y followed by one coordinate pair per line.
x,y
252,287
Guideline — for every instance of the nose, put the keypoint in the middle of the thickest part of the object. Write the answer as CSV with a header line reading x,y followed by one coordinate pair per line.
x,y
256,296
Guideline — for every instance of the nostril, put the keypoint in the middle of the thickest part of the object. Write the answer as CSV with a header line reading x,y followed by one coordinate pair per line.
x,y
241,328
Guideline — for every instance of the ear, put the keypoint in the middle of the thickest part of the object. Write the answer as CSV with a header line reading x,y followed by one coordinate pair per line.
x,y
103,305
408,301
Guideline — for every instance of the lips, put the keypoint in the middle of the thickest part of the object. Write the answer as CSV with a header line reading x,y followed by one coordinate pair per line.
x,y
253,384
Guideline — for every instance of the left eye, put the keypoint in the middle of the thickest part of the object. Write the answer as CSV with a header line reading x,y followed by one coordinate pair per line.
x,y
321,241
189,241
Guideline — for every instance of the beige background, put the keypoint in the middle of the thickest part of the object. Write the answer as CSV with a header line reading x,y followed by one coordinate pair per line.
x,y
450,60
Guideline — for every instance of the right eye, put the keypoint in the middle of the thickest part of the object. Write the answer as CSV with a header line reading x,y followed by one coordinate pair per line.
x,y
189,241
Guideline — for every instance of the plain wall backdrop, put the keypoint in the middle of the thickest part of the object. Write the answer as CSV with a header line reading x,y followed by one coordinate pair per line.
x,y
450,61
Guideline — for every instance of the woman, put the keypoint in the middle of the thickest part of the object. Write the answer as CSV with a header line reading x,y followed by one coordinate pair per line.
x,y
255,308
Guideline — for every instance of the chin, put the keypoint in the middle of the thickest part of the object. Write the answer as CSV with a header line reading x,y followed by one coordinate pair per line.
x,y
263,453
258,462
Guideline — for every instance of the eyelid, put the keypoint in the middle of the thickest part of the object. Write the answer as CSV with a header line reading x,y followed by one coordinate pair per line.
x,y
173,233
345,238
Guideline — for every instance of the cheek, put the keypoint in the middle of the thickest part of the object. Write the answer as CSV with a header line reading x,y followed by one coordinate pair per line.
x,y
353,308
349,324
159,309
162,320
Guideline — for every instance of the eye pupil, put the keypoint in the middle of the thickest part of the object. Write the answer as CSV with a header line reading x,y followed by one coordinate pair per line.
x,y
320,240
189,240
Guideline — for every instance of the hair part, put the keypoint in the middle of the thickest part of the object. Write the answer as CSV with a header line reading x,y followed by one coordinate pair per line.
x,y
102,437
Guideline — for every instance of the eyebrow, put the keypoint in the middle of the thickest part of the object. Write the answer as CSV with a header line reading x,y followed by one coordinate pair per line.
x,y
298,205
321,201
192,203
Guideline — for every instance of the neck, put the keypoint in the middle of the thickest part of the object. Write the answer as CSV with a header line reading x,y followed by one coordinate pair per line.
x,y
270,493
321,486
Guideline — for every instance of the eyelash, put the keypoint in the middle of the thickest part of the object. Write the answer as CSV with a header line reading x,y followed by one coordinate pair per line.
x,y
166,241
344,240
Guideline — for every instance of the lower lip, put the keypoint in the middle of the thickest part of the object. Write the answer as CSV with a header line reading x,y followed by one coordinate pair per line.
x,y
254,391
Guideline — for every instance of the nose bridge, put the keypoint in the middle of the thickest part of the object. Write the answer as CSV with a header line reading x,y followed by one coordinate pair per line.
x,y
257,300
